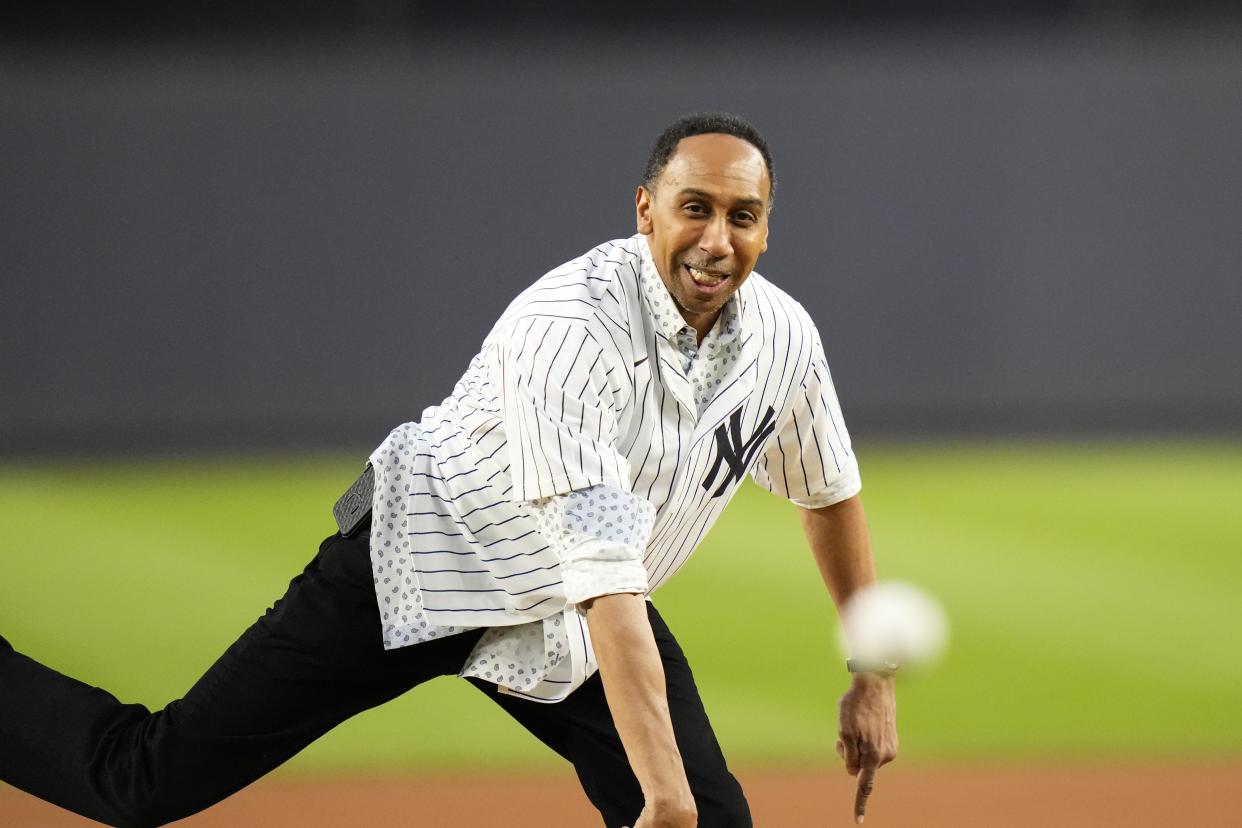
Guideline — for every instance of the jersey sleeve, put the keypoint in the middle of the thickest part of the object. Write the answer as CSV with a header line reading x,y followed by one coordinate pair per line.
x,y
810,461
561,403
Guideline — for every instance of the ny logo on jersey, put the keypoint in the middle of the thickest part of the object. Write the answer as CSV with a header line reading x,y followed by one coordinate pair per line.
x,y
730,448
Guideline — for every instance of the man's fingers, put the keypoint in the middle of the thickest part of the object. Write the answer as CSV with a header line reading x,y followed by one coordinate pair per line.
x,y
852,756
866,781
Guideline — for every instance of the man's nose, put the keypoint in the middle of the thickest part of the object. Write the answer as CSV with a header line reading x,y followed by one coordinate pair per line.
x,y
715,239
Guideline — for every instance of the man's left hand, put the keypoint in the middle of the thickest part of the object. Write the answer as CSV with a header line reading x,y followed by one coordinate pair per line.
x,y
867,732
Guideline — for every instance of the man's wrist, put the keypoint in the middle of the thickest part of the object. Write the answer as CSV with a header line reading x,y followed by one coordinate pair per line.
x,y
878,668
676,802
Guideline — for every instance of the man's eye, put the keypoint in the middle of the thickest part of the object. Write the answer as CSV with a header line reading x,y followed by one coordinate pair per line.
x,y
745,218
697,209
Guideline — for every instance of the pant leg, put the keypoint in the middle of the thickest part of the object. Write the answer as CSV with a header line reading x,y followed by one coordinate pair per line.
x,y
581,729
310,662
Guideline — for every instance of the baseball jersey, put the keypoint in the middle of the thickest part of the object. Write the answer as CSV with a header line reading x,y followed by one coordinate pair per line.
x,y
592,381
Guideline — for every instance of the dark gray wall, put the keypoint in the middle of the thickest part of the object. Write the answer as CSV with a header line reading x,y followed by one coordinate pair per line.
x,y
1016,232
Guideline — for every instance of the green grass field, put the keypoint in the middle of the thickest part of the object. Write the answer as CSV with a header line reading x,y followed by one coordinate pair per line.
x,y
1094,592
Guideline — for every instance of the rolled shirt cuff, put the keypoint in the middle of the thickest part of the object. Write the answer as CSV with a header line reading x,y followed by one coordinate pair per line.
x,y
597,567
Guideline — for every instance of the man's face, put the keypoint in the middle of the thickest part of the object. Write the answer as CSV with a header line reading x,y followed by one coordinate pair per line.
x,y
706,222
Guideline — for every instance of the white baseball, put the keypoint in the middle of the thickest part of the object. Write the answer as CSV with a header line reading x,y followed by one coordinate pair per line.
x,y
893,621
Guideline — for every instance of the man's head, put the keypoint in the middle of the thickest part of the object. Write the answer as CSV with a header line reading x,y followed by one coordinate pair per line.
x,y
704,205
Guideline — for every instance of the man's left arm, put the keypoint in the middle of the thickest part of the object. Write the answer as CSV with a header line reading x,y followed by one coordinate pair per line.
x,y
867,723
810,461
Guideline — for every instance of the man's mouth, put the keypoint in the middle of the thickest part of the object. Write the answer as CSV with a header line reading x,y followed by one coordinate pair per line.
x,y
705,278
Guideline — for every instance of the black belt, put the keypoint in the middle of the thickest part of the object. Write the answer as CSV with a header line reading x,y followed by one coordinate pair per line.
x,y
352,510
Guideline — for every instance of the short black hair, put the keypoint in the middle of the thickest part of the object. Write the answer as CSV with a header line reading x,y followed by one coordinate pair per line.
x,y
705,123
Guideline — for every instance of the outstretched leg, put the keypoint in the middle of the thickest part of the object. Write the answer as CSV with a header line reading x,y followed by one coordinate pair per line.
x,y
312,661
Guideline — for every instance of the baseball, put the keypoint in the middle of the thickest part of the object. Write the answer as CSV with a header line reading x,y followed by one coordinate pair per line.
x,y
893,622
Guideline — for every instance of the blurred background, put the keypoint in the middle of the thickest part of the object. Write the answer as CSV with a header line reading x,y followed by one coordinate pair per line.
x,y
241,241
225,224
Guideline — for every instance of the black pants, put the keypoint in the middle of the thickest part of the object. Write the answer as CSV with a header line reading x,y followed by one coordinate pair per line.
x,y
312,661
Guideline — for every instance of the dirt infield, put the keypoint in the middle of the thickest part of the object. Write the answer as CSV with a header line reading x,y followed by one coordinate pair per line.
x,y
1133,796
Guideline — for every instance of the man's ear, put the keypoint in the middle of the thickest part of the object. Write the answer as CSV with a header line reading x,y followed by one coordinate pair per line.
x,y
642,210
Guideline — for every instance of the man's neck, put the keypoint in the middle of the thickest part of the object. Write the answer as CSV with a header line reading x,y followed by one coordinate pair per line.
x,y
701,322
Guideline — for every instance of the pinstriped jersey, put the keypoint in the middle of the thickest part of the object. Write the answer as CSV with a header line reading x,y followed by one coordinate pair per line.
x,y
584,381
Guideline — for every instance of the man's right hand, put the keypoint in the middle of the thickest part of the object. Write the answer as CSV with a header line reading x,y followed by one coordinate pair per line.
x,y
681,815
633,677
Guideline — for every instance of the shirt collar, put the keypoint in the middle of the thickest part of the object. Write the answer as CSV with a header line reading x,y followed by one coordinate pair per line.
x,y
668,319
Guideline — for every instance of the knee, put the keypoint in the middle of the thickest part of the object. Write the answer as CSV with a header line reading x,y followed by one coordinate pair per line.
x,y
148,810
136,809
725,808
132,775
732,817
138,817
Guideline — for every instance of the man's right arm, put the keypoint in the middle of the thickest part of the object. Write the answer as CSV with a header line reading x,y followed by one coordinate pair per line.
x,y
599,529
599,535
633,677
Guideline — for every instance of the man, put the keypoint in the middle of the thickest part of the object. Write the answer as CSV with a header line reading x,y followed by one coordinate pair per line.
x,y
514,533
